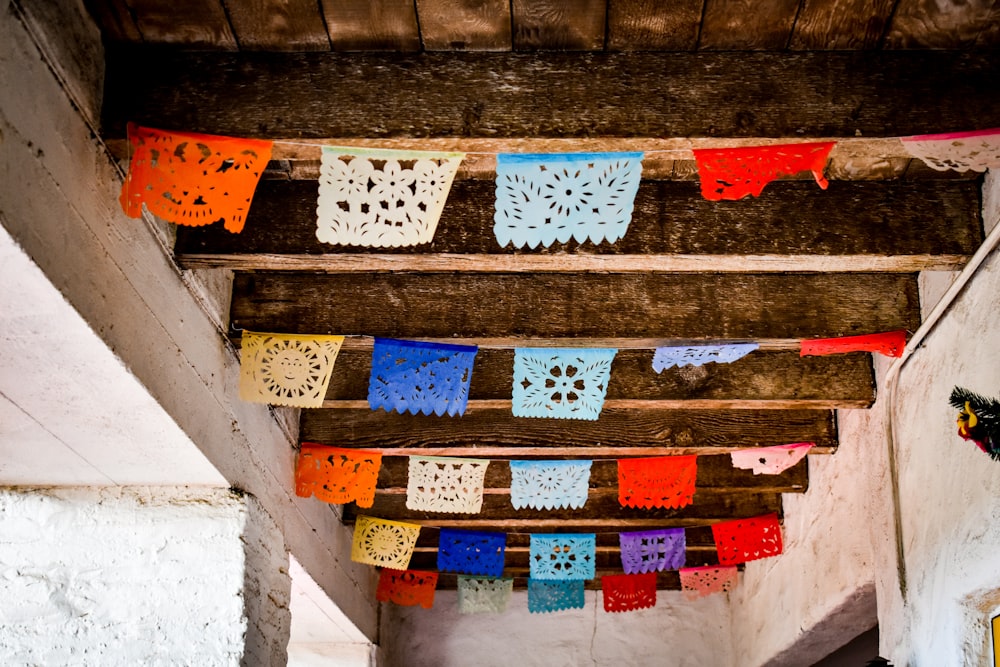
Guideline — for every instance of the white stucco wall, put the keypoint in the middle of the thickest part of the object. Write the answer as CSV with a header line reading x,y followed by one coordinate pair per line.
x,y
141,576
949,490
674,633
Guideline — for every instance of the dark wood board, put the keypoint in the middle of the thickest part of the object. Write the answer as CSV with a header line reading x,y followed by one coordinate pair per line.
x,y
517,562
747,25
762,375
653,25
714,473
669,217
371,25
317,95
522,306
697,538
199,24
941,24
703,431
465,25
841,24
278,25
665,581
114,19
568,25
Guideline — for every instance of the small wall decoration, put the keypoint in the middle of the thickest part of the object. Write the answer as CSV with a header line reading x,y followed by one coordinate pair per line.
x,y
478,594
734,173
890,343
337,475
744,540
407,588
287,369
417,377
192,179
662,481
383,542
450,485
546,596
382,198
563,556
628,592
771,460
978,419
960,151
653,550
699,355
543,198
698,582
567,383
549,484
471,552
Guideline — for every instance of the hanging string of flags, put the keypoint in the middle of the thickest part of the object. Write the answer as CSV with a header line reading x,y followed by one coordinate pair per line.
x,y
382,198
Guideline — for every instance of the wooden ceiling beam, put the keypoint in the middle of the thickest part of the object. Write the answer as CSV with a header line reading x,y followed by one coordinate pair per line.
x,y
873,226
762,379
645,94
665,581
617,433
709,306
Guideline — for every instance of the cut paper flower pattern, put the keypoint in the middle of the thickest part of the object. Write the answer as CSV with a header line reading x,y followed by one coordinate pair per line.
x,y
562,556
192,179
745,540
653,550
561,383
416,377
287,369
549,484
478,595
628,592
664,481
546,596
698,355
543,198
734,173
471,552
445,484
890,343
367,197
407,588
771,460
383,542
961,151
337,475
699,582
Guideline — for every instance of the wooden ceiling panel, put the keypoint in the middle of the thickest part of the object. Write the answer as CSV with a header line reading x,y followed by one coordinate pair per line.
x,y
941,24
278,25
841,24
468,25
652,25
619,432
372,25
746,25
199,24
568,25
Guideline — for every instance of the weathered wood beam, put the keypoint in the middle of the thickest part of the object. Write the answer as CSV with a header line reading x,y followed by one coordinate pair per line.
x,y
709,306
698,538
761,379
706,508
617,433
665,581
852,226
724,94
715,473
516,560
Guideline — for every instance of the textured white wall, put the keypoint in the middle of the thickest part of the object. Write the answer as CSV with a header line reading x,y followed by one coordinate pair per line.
x,y
121,577
949,490
675,633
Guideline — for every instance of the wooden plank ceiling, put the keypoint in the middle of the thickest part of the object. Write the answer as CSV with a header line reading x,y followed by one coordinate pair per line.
x,y
488,76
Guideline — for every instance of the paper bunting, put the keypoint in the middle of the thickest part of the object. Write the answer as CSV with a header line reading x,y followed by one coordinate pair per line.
x,y
192,179
771,460
699,582
407,588
664,481
543,198
563,556
471,552
445,484
628,592
410,376
546,596
962,151
477,595
287,369
367,197
652,550
383,542
561,383
734,173
337,475
549,484
891,344
698,355
745,540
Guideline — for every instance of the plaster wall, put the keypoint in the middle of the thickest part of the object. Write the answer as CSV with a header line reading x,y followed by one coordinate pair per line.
x,y
949,491
114,576
674,633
